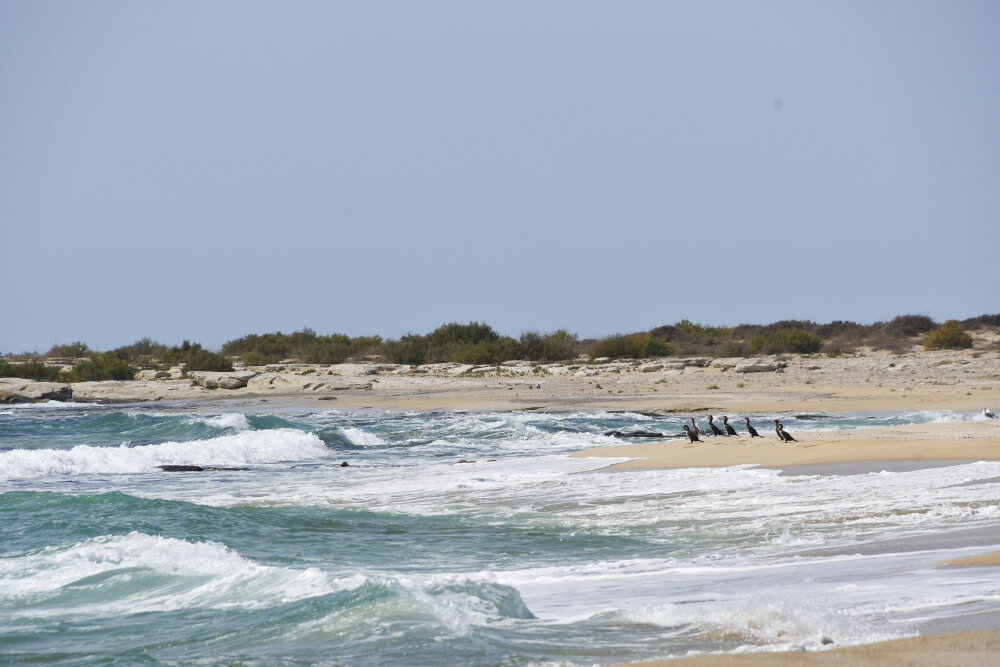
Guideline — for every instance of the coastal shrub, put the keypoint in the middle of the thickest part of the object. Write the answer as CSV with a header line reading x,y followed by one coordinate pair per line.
x,y
98,367
409,349
260,359
31,370
455,333
488,352
554,346
140,353
703,331
731,349
982,321
908,326
949,335
193,357
74,350
304,345
632,346
784,340
203,360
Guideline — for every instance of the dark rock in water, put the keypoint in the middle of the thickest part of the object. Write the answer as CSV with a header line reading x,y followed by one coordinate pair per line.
x,y
634,434
345,464
190,468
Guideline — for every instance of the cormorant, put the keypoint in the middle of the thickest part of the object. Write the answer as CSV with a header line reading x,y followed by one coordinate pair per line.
x,y
783,435
989,413
694,427
729,429
713,428
751,430
692,436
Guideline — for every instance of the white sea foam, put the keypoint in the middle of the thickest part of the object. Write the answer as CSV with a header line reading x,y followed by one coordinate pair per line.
x,y
361,438
245,448
234,420
156,573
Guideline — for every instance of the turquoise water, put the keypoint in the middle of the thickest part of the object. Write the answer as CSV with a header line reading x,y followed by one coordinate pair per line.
x,y
451,537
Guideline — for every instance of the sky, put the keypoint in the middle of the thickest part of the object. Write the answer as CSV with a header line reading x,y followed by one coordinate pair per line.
x,y
204,170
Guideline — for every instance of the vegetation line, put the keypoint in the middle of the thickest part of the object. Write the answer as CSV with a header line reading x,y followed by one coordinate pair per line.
x,y
478,343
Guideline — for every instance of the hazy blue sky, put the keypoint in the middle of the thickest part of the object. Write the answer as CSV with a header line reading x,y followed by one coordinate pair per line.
x,y
205,170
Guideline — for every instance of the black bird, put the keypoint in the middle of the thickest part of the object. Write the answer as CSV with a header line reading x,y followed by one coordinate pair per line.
x,y
692,436
751,430
729,429
783,435
694,427
713,428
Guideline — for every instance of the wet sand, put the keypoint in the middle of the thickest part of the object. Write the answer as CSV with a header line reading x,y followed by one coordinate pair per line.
x,y
959,649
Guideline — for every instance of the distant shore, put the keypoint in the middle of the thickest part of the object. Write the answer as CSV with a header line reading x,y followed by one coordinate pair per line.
x,y
868,381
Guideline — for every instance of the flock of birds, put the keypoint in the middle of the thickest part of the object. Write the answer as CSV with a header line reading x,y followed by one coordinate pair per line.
x,y
727,429
693,431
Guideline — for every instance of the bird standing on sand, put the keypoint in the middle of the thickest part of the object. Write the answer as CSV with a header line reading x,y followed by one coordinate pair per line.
x,y
692,436
783,435
713,428
729,429
989,413
751,430
694,427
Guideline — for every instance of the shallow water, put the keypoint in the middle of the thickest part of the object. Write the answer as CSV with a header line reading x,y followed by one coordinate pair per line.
x,y
462,537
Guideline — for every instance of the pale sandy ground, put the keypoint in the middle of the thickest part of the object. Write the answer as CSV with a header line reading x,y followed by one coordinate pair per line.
x,y
958,649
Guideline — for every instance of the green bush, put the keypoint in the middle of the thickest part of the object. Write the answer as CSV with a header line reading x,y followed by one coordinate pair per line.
x,y
142,352
74,350
908,326
556,346
100,367
260,359
731,349
305,345
193,357
632,346
949,335
32,370
203,360
784,340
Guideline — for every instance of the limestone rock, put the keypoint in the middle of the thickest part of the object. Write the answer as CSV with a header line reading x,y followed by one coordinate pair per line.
x,y
152,375
222,380
587,373
287,382
18,390
651,368
724,364
759,366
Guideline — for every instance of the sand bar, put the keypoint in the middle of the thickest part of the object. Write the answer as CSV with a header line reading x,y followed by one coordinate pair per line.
x,y
966,649
975,440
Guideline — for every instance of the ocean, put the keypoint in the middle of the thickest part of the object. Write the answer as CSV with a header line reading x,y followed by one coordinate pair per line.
x,y
462,538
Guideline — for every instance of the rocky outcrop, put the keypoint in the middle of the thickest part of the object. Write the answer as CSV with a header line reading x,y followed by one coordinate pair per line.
x,y
18,390
222,380
285,382
121,391
651,368
153,375
759,366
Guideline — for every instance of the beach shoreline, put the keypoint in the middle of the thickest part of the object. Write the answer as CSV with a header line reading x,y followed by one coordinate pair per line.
x,y
875,383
